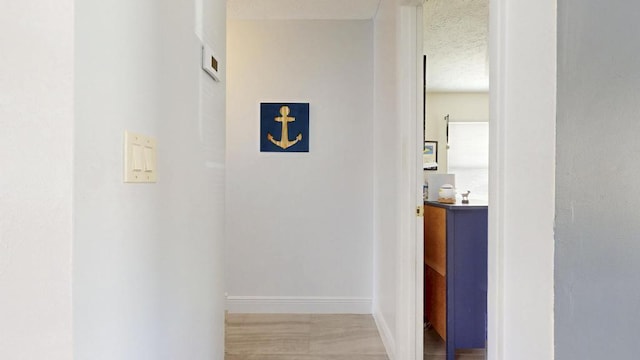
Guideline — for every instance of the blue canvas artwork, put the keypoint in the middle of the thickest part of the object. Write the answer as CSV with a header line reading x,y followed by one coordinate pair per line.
x,y
284,127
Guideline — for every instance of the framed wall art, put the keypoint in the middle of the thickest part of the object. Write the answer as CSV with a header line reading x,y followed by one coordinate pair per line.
x,y
430,155
284,127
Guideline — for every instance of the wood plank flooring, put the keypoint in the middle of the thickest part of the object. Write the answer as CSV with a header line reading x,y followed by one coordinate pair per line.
x,y
317,337
302,337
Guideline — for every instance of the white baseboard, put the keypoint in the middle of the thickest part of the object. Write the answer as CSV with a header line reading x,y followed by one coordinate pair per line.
x,y
298,305
385,333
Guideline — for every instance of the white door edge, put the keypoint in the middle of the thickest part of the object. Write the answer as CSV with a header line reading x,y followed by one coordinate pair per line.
x,y
495,261
409,259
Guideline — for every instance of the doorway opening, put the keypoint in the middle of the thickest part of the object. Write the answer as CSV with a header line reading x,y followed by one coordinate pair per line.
x,y
456,153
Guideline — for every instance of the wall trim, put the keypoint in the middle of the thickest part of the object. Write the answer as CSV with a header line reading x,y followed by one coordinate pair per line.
x,y
299,304
497,173
385,333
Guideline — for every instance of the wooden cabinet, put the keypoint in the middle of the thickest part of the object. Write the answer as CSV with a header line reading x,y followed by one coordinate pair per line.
x,y
435,301
455,277
435,239
435,260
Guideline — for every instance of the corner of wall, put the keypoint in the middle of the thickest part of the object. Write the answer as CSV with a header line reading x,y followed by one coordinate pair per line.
x,y
385,333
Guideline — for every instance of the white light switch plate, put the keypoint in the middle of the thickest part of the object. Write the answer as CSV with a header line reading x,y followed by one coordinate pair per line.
x,y
139,158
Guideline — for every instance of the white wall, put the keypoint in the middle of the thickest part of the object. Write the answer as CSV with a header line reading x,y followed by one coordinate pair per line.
x,y
463,107
522,177
148,281
597,248
386,151
36,118
299,226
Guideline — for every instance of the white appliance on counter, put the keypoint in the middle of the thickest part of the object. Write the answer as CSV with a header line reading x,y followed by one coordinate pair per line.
x,y
435,181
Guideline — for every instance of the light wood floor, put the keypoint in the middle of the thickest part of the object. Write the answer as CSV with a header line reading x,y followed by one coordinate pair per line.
x,y
302,337
317,337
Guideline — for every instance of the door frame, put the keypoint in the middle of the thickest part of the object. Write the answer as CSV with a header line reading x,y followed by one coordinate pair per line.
x,y
520,286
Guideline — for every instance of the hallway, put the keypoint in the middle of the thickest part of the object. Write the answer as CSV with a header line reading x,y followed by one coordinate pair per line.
x,y
97,267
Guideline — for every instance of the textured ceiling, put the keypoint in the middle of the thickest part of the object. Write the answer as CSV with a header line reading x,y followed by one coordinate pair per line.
x,y
456,45
302,9
455,33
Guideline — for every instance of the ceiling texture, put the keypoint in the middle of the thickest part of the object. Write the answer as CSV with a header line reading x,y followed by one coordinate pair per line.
x,y
456,45
455,33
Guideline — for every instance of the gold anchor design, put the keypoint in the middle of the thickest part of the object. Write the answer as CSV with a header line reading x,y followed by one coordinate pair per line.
x,y
285,119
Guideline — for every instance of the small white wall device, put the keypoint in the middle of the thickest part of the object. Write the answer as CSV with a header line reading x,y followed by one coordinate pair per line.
x,y
210,63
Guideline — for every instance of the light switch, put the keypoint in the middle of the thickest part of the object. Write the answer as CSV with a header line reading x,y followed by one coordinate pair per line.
x,y
139,158
149,159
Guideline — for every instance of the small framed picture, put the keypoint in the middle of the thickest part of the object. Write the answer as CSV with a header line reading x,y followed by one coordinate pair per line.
x,y
284,127
430,155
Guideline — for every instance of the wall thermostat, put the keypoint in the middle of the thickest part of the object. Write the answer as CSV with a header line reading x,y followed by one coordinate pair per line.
x,y
210,63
